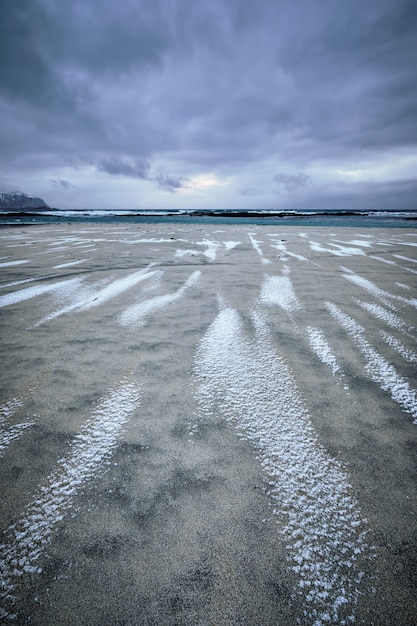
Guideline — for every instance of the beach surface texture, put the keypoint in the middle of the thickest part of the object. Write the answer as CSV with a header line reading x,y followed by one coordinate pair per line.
x,y
208,425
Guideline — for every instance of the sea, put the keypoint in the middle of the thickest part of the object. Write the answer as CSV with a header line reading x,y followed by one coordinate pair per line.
x,y
327,217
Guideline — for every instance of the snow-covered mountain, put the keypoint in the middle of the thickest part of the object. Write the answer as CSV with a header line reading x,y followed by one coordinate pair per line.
x,y
19,200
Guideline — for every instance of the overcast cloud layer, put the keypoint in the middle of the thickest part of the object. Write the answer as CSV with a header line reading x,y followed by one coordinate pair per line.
x,y
214,104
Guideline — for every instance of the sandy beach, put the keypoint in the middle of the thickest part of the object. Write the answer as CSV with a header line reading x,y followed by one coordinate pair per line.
x,y
208,425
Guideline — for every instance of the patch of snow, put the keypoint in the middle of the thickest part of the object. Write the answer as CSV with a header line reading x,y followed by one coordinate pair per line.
x,y
321,347
98,298
258,249
395,344
404,258
38,290
318,516
337,250
279,291
229,245
379,369
10,434
69,264
10,263
386,316
381,294
190,252
136,314
26,540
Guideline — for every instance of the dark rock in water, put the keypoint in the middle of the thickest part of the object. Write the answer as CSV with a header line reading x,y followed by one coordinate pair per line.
x,y
16,200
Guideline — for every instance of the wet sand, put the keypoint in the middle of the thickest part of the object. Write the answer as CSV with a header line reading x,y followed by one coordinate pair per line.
x,y
208,425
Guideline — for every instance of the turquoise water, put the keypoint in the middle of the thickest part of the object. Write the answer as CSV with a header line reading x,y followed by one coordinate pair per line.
x,y
378,219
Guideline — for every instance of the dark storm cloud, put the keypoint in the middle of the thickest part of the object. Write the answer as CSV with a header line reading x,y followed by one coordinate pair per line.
x,y
292,182
138,168
60,182
398,194
168,183
209,84
133,168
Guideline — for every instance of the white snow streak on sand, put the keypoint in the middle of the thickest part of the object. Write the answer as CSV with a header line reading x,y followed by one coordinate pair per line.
x,y
381,294
386,316
395,344
17,282
404,258
321,347
189,252
229,245
97,298
29,536
10,408
38,290
10,263
389,262
336,250
258,249
135,314
380,370
10,433
70,264
278,291
319,518
210,252
357,242
212,247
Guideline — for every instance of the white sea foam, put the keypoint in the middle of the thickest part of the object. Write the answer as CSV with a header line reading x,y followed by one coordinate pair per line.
x,y
10,263
395,344
25,541
379,369
135,315
37,290
98,298
279,291
318,516
321,347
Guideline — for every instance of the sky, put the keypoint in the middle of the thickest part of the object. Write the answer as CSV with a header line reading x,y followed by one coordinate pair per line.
x,y
210,104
